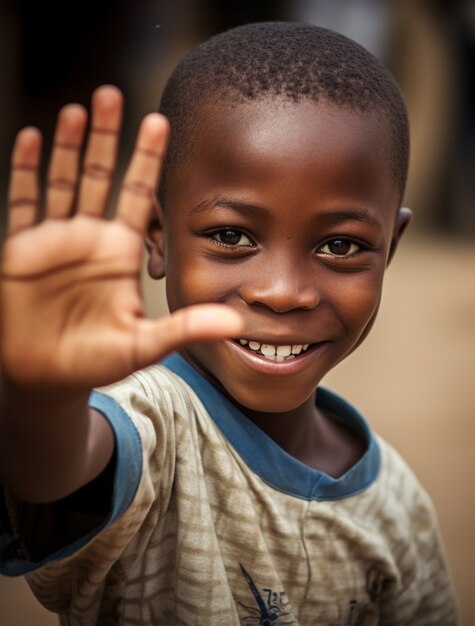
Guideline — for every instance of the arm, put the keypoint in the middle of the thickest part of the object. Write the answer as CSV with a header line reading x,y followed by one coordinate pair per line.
x,y
71,315
51,443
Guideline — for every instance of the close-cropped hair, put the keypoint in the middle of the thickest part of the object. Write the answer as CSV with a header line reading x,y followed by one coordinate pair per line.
x,y
290,60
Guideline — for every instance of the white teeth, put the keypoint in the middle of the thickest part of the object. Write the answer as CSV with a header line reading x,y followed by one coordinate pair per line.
x,y
275,353
268,350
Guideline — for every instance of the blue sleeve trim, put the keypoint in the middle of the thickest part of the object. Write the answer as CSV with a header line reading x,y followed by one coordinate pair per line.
x,y
128,470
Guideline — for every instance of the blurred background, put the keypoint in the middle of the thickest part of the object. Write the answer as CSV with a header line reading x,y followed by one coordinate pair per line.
x,y
414,376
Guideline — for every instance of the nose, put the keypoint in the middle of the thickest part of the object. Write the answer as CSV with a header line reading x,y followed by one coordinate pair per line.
x,y
282,287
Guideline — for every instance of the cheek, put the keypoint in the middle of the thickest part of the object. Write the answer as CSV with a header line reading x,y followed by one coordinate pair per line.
x,y
358,304
193,279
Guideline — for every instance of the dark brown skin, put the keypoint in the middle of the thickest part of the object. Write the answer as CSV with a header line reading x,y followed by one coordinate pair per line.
x,y
288,182
71,311
289,179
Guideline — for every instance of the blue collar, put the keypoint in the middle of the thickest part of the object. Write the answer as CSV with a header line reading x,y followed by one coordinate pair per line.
x,y
268,460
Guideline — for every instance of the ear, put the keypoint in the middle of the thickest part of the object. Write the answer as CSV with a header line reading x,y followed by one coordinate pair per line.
x,y
403,219
155,243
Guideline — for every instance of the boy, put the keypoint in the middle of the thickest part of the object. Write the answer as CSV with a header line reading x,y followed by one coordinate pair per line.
x,y
220,486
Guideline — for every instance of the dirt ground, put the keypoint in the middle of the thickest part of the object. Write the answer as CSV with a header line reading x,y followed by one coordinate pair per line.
x,y
414,380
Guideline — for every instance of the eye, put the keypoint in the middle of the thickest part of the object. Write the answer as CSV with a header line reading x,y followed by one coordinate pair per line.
x,y
340,247
231,237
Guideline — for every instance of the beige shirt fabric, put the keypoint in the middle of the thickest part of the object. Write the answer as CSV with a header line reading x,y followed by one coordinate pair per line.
x,y
206,541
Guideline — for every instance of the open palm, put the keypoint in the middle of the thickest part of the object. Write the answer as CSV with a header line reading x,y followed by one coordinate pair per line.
x,y
71,309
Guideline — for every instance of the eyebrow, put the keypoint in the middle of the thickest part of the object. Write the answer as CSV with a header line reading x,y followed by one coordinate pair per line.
x,y
341,215
227,203
359,215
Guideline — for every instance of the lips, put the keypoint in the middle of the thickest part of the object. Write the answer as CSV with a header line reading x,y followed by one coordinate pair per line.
x,y
275,353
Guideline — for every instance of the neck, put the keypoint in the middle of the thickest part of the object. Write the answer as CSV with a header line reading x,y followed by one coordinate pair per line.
x,y
314,437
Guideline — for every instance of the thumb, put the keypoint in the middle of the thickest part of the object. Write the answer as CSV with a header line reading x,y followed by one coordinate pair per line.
x,y
203,322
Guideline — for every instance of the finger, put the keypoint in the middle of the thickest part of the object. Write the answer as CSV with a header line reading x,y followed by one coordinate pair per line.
x,y
23,191
64,164
101,151
141,179
208,322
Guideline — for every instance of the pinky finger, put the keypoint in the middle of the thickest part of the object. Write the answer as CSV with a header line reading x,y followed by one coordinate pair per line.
x,y
23,191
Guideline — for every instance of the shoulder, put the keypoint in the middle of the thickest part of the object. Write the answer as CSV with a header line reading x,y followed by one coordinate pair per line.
x,y
154,393
149,411
405,513
399,480
151,384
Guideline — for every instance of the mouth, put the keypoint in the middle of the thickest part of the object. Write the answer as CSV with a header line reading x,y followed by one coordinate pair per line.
x,y
275,353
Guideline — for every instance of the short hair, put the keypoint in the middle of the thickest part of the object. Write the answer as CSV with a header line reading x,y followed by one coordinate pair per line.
x,y
291,60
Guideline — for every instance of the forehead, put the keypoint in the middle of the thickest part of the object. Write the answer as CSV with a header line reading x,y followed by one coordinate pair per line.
x,y
274,139
280,119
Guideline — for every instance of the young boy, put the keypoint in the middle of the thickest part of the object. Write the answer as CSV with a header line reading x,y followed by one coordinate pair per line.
x,y
221,485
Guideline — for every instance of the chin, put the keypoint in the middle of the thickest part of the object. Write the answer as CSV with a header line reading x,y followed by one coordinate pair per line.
x,y
264,400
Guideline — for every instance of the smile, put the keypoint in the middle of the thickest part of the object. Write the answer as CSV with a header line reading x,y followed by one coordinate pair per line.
x,y
275,353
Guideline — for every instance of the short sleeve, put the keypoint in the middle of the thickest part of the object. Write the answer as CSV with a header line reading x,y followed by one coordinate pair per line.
x,y
138,423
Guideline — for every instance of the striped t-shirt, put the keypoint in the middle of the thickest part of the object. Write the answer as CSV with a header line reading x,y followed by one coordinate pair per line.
x,y
213,524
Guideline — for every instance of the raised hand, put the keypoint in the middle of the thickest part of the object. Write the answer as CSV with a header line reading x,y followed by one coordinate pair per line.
x,y
71,309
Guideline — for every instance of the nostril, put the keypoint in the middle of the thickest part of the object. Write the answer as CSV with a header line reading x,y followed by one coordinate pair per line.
x,y
283,303
281,292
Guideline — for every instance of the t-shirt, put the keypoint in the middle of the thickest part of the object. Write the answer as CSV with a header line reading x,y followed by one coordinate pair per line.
x,y
211,523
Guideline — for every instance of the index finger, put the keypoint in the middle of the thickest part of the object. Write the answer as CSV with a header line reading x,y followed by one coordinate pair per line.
x,y
141,178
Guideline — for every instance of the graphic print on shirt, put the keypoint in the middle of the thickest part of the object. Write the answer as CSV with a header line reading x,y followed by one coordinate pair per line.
x,y
271,606
366,613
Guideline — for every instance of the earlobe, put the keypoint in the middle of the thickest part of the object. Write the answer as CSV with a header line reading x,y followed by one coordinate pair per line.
x,y
155,243
403,219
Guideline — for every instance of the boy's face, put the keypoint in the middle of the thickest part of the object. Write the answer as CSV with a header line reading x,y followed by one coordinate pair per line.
x,y
288,213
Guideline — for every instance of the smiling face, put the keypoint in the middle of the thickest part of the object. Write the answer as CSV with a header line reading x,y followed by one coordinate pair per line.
x,y
288,213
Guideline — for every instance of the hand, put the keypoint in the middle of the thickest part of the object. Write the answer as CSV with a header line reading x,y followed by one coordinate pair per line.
x,y
71,309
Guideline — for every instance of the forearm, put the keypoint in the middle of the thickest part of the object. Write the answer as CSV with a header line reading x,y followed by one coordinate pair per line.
x,y
51,443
